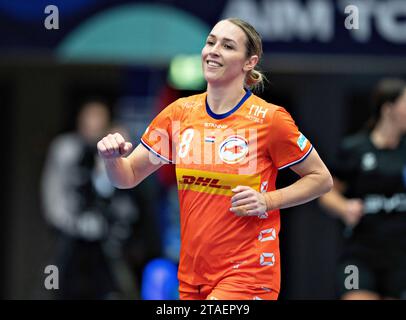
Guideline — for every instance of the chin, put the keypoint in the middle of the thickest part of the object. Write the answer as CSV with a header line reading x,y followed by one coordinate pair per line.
x,y
214,82
212,78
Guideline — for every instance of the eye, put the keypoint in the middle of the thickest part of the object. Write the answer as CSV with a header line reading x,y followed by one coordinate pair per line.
x,y
210,42
227,46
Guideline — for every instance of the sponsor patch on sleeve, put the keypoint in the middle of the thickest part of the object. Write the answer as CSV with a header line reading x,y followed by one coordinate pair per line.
x,y
302,142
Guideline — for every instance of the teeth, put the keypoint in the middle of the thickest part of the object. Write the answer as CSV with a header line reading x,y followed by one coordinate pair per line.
x,y
213,63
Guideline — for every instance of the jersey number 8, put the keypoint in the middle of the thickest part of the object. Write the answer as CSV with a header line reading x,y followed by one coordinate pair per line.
x,y
184,145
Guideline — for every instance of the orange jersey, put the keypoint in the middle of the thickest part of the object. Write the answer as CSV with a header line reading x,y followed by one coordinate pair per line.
x,y
213,154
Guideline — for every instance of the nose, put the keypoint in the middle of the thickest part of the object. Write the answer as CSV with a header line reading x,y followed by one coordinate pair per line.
x,y
214,50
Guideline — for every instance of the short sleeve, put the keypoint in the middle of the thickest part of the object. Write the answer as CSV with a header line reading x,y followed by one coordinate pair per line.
x,y
287,146
157,138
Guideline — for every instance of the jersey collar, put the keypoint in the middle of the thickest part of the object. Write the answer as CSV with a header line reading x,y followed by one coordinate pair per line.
x,y
217,116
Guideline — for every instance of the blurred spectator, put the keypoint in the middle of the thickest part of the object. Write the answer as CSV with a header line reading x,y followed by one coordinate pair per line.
x,y
100,247
370,198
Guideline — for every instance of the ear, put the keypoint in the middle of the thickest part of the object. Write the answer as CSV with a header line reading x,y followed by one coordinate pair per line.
x,y
251,63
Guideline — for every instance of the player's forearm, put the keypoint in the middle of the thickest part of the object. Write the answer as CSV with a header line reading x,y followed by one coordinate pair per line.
x,y
120,173
304,190
334,202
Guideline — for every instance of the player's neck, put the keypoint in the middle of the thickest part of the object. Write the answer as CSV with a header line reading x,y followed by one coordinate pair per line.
x,y
385,135
222,99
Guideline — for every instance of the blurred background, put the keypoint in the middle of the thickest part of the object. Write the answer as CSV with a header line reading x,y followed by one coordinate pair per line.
x,y
123,61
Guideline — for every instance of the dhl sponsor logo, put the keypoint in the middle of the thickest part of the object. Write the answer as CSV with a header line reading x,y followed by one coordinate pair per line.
x,y
202,181
214,182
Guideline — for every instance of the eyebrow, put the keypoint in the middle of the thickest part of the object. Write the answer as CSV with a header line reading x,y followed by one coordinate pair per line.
x,y
225,39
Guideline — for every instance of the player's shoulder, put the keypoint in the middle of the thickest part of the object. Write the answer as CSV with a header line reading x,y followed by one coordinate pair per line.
x,y
260,102
264,103
190,102
178,107
259,105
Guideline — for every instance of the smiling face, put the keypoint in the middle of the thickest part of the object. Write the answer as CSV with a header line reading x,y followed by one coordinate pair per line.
x,y
224,57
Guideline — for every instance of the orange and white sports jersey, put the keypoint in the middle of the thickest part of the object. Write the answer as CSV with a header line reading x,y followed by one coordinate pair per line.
x,y
213,154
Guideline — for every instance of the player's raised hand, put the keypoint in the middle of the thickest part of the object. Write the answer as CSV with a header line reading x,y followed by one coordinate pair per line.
x,y
113,146
247,202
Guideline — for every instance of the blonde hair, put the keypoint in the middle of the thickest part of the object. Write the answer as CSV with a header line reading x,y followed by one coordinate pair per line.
x,y
255,79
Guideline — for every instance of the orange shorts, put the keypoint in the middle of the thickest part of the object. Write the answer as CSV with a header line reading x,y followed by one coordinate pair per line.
x,y
225,290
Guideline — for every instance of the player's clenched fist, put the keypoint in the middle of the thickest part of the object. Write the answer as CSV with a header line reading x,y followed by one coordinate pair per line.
x,y
247,202
113,146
